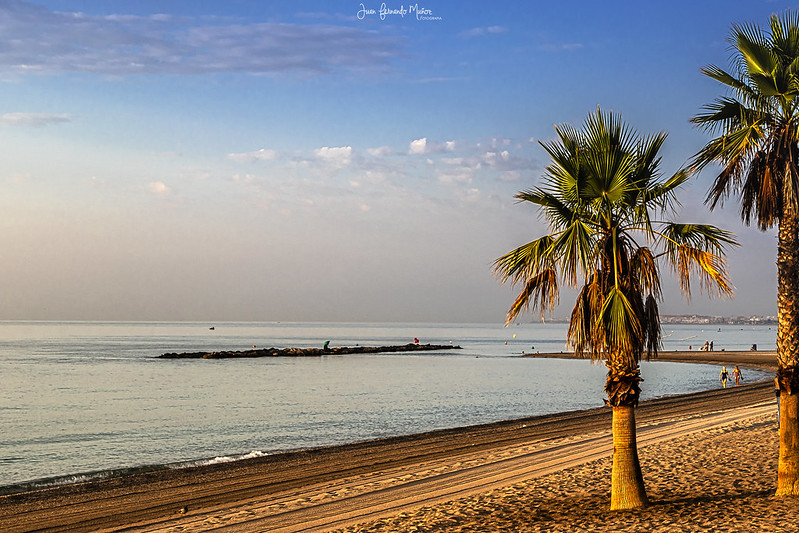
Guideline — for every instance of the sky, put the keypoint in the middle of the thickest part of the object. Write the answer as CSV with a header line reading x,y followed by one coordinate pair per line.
x,y
318,161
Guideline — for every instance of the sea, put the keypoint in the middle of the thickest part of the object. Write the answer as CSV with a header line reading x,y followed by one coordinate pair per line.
x,y
87,400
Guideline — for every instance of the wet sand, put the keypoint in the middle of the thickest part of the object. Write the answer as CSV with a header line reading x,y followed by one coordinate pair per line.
x,y
709,461
756,359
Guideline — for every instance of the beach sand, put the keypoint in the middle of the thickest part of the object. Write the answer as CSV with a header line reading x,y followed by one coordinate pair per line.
x,y
717,480
709,462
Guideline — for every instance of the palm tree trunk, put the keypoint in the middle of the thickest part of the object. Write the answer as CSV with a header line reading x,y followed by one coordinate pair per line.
x,y
788,351
627,483
787,479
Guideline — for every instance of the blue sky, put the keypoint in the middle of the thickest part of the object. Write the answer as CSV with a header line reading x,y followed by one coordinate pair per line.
x,y
248,160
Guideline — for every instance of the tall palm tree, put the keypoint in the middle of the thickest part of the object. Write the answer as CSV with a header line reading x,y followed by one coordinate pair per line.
x,y
757,128
599,194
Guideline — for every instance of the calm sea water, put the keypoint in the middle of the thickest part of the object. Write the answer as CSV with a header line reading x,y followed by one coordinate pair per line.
x,y
83,398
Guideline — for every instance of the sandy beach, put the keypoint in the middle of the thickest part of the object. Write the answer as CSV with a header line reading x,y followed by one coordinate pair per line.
x,y
709,462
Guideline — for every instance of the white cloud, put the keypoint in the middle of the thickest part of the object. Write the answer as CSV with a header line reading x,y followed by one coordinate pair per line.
x,y
423,146
510,176
39,40
339,156
381,151
158,187
419,146
458,175
33,119
258,155
493,158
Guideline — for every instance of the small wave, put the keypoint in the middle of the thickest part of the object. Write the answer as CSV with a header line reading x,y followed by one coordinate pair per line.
x,y
219,460
71,479
87,477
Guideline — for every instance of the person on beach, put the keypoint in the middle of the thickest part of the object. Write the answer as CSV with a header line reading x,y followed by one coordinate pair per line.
x,y
724,376
711,346
737,374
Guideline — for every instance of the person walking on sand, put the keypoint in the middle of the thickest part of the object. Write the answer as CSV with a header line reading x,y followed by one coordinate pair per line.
x,y
737,375
723,377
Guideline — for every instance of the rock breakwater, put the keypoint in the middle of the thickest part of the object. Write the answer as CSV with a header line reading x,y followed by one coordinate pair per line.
x,y
308,352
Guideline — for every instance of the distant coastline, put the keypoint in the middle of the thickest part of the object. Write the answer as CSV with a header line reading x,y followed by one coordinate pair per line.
x,y
753,320
720,320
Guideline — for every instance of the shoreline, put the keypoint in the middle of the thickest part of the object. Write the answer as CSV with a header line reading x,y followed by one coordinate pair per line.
x,y
760,360
765,360
158,495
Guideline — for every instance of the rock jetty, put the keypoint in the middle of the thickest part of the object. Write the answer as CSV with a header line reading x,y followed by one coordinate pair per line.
x,y
309,352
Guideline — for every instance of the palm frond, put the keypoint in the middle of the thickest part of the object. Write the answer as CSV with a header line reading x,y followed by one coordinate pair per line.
x,y
710,268
583,335
725,78
726,114
539,292
761,192
785,33
557,212
695,250
652,330
701,236
575,249
645,269
663,195
526,261
620,322
752,44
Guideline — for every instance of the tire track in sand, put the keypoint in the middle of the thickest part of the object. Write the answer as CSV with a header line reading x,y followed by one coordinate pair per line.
x,y
391,491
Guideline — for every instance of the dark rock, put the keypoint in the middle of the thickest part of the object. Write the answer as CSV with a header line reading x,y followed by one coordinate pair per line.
x,y
308,352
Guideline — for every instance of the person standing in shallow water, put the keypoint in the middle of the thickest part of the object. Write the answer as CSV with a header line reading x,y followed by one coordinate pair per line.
x,y
724,376
737,375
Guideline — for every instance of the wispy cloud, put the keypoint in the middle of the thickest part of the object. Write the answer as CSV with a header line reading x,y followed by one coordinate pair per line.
x,y
560,47
33,119
381,151
37,40
479,32
258,155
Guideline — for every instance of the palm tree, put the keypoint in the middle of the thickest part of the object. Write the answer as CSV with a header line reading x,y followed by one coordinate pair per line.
x,y
599,194
758,130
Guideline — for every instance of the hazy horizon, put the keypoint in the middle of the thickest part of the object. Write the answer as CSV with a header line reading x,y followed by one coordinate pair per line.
x,y
310,161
